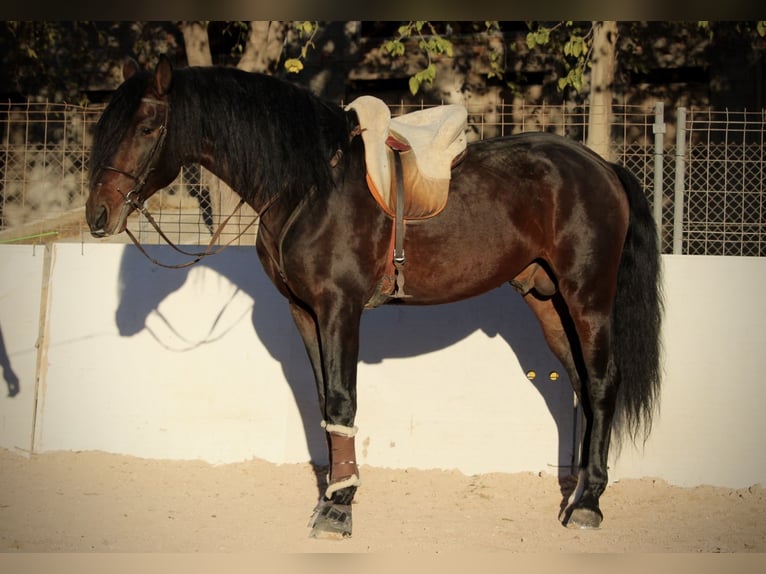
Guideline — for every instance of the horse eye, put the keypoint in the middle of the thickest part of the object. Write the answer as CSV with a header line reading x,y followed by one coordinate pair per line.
x,y
145,131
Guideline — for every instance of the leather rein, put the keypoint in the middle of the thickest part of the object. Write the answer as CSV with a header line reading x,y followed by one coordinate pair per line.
x,y
134,200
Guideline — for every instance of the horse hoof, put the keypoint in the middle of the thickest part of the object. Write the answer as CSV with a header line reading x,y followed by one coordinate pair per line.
x,y
584,519
331,521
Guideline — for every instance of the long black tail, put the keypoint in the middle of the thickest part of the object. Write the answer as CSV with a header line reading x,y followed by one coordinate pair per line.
x,y
637,317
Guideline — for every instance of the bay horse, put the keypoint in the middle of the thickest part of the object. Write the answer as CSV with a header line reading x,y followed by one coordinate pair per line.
x,y
571,232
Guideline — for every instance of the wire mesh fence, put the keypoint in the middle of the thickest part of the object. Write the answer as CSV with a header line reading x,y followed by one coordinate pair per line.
x,y
724,189
43,160
44,150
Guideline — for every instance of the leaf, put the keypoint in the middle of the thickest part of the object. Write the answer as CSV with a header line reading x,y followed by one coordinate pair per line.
x,y
761,28
445,46
293,65
414,85
577,80
577,46
531,40
429,74
394,47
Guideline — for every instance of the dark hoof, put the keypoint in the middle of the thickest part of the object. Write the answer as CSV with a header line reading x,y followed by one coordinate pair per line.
x,y
583,518
331,521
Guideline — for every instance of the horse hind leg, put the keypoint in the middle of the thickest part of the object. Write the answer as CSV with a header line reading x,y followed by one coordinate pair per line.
x,y
580,342
599,380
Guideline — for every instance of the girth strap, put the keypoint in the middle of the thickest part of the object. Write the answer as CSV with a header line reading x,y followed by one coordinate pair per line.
x,y
399,258
391,285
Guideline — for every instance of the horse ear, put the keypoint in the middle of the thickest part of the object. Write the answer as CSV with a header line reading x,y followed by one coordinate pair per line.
x,y
163,76
129,68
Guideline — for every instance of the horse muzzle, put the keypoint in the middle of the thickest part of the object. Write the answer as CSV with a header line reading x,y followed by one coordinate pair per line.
x,y
97,222
104,219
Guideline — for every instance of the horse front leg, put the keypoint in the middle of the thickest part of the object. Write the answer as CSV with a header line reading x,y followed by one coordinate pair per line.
x,y
332,343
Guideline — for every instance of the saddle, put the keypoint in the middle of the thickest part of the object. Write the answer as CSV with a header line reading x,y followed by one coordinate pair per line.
x,y
430,142
409,160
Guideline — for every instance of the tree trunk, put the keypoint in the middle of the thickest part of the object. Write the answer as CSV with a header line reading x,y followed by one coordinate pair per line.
x,y
197,43
603,64
263,49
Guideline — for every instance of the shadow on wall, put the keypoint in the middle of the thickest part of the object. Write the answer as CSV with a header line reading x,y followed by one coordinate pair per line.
x,y
387,332
11,378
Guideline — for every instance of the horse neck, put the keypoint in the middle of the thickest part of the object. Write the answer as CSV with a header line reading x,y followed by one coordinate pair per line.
x,y
219,134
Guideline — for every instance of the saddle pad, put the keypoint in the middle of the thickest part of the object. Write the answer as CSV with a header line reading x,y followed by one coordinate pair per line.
x,y
433,136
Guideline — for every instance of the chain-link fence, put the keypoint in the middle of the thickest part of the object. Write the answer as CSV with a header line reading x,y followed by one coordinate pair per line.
x,y
724,191
708,191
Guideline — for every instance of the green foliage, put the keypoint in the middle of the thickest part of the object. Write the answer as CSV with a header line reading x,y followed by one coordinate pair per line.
x,y
395,48
426,75
574,79
570,39
741,27
539,37
64,60
432,44
293,65
573,41
576,46
307,30
705,25
495,53
239,31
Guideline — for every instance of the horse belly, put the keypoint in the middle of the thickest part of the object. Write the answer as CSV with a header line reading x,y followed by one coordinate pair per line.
x,y
450,266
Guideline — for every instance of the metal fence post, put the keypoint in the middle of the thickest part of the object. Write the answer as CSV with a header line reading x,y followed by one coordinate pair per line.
x,y
678,198
659,147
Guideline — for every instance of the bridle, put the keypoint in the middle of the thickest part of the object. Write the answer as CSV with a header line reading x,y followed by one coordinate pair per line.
x,y
133,200
146,167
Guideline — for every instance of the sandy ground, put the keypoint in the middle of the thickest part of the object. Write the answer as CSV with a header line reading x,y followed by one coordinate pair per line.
x,y
96,502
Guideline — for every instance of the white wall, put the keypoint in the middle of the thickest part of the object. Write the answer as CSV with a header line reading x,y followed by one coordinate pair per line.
x,y
712,421
206,364
21,277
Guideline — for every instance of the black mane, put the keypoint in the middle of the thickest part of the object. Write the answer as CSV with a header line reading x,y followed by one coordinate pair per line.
x,y
275,136
112,126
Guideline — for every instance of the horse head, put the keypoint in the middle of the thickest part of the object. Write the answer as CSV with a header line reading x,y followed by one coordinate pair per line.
x,y
129,157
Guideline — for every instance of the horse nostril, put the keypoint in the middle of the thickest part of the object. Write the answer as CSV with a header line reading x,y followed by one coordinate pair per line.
x,y
97,225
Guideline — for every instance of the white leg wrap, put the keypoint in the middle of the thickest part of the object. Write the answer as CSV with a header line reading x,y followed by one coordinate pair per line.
x,y
352,480
339,429
342,448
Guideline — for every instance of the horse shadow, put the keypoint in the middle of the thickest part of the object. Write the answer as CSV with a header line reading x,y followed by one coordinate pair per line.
x,y
10,376
387,332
